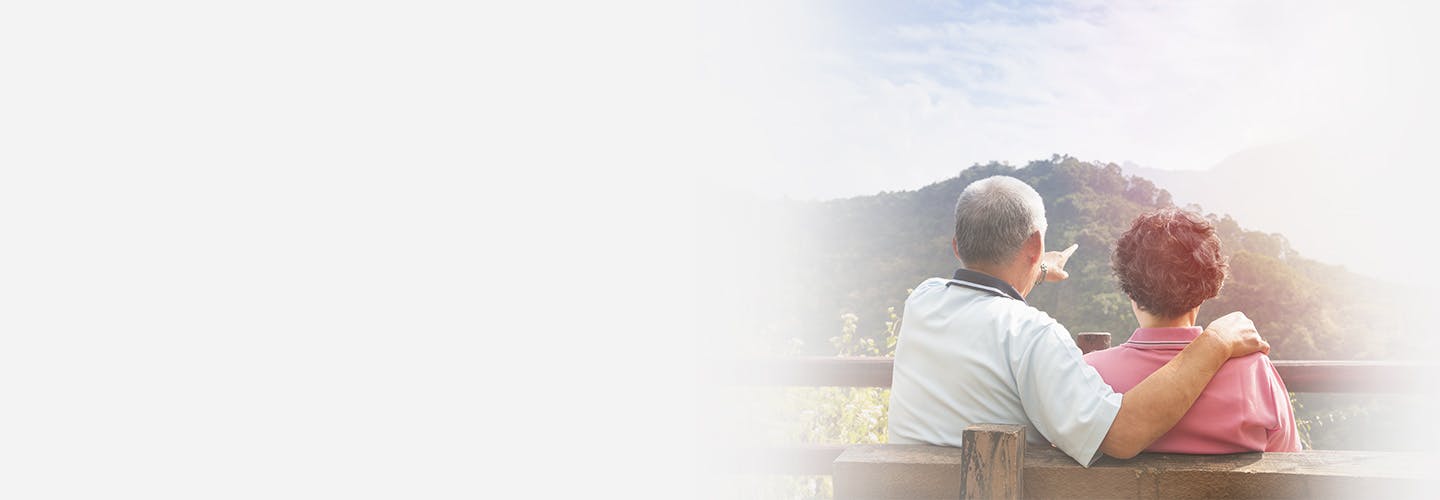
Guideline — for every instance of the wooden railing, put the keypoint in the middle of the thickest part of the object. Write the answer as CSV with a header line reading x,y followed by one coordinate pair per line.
x,y
1299,376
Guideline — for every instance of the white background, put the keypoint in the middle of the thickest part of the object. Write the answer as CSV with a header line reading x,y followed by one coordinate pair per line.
x,y
341,250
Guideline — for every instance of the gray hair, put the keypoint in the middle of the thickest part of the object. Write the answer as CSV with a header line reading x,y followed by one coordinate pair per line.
x,y
994,216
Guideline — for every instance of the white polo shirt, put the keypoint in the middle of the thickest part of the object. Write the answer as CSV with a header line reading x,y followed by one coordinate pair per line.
x,y
971,351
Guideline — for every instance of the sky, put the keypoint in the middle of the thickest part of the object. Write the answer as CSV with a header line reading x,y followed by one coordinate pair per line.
x,y
831,99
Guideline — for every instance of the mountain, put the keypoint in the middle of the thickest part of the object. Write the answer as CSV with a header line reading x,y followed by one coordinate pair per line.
x,y
861,255
1333,201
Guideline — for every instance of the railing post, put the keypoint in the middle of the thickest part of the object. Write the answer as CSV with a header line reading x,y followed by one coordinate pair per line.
x,y
1092,341
992,462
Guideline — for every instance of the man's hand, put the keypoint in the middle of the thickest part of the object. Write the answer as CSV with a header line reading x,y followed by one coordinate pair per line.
x,y
1237,333
1055,263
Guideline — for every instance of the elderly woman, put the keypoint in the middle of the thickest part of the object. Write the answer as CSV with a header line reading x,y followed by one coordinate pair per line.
x,y
1168,263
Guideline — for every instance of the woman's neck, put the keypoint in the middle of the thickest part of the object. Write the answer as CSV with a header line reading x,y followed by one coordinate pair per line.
x,y
1167,323
1148,320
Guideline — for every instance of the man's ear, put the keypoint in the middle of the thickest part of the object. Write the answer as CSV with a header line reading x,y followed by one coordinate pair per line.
x,y
955,247
1034,247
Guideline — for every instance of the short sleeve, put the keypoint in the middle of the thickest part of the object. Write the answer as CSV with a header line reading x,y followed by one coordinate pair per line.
x,y
1064,397
1285,436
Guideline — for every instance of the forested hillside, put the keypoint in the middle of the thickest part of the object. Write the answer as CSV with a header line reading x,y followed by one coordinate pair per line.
x,y
861,255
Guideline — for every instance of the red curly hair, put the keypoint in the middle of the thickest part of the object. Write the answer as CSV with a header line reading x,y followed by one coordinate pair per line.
x,y
1169,262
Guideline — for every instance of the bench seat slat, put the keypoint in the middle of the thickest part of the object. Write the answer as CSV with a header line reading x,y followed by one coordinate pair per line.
x,y
920,471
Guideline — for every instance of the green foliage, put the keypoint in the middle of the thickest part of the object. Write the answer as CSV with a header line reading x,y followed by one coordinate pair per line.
x,y
843,415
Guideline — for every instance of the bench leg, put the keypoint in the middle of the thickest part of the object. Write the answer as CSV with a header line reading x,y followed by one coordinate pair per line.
x,y
992,462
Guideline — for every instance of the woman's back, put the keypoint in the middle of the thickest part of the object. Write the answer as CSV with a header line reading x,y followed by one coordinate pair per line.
x,y
1244,408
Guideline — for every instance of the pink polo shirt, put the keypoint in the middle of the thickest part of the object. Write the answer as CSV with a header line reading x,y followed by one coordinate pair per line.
x,y
1244,408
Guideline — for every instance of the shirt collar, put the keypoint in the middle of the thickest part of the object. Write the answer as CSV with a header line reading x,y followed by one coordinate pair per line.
x,y
1177,335
984,282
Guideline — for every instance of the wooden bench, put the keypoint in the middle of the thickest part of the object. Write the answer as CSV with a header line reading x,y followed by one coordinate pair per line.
x,y
994,462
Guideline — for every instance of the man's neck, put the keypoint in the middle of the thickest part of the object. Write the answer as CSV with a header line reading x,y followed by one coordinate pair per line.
x,y
1014,277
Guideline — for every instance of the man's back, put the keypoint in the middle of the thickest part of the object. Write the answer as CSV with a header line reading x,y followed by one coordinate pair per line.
x,y
1244,408
970,353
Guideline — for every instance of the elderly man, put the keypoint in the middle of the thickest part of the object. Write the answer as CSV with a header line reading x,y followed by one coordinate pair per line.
x,y
972,351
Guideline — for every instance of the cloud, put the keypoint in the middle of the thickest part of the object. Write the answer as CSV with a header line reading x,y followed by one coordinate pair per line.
x,y
854,102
